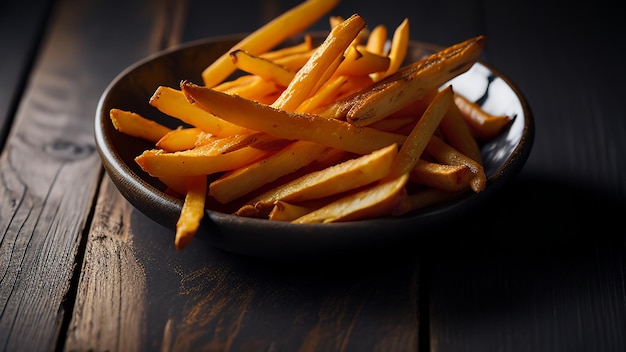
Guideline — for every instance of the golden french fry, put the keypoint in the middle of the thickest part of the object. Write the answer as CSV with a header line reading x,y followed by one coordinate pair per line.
x,y
246,179
183,139
377,39
458,133
441,176
197,161
261,67
173,103
376,200
304,47
192,211
446,154
289,125
283,211
348,175
135,125
360,62
321,65
323,96
410,83
294,62
483,125
257,89
416,142
268,36
397,52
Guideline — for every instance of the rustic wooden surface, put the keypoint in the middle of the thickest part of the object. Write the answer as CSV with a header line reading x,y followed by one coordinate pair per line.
x,y
539,268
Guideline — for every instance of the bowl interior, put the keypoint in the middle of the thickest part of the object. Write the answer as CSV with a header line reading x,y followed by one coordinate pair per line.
x,y
131,90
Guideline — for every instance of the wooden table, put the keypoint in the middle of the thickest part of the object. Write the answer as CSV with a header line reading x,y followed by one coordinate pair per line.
x,y
541,267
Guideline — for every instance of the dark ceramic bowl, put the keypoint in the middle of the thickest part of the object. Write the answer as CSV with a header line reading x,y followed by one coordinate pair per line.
x,y
503,158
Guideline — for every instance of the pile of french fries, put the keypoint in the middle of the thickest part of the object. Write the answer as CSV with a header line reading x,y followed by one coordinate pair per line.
x,y
317,133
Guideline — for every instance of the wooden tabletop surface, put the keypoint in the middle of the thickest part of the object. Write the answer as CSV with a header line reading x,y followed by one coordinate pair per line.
x,y
540,267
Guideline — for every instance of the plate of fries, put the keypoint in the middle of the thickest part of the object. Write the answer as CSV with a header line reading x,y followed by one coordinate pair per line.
x,y
311,143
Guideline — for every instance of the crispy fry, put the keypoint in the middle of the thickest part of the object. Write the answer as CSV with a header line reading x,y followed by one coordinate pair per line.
x,y
360,62
458,133
483,125
246,179
268,36
348,175
448,155
182,139
294,62
173,103
135,125
442,176
397,52
374,201
410,83
289,125
377,39
305,46
197,161
324,95
417,140
321,65
261,67
283,211
192,211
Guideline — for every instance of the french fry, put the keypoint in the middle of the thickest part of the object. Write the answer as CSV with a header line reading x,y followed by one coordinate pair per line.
x,y
196,161
246,179
377,39
410,83
268,36
283,211
323,96
173,103
348,175
441,176
321,65
288,125
483,125
304,47
135,125
377,200
261,67
397,52
459,134
360,62
192,211
182,139
294,62
444,153
416,142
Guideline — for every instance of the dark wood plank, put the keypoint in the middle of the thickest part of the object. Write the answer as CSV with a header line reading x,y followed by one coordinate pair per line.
x,y
19,39
541,268
139,293
50,169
